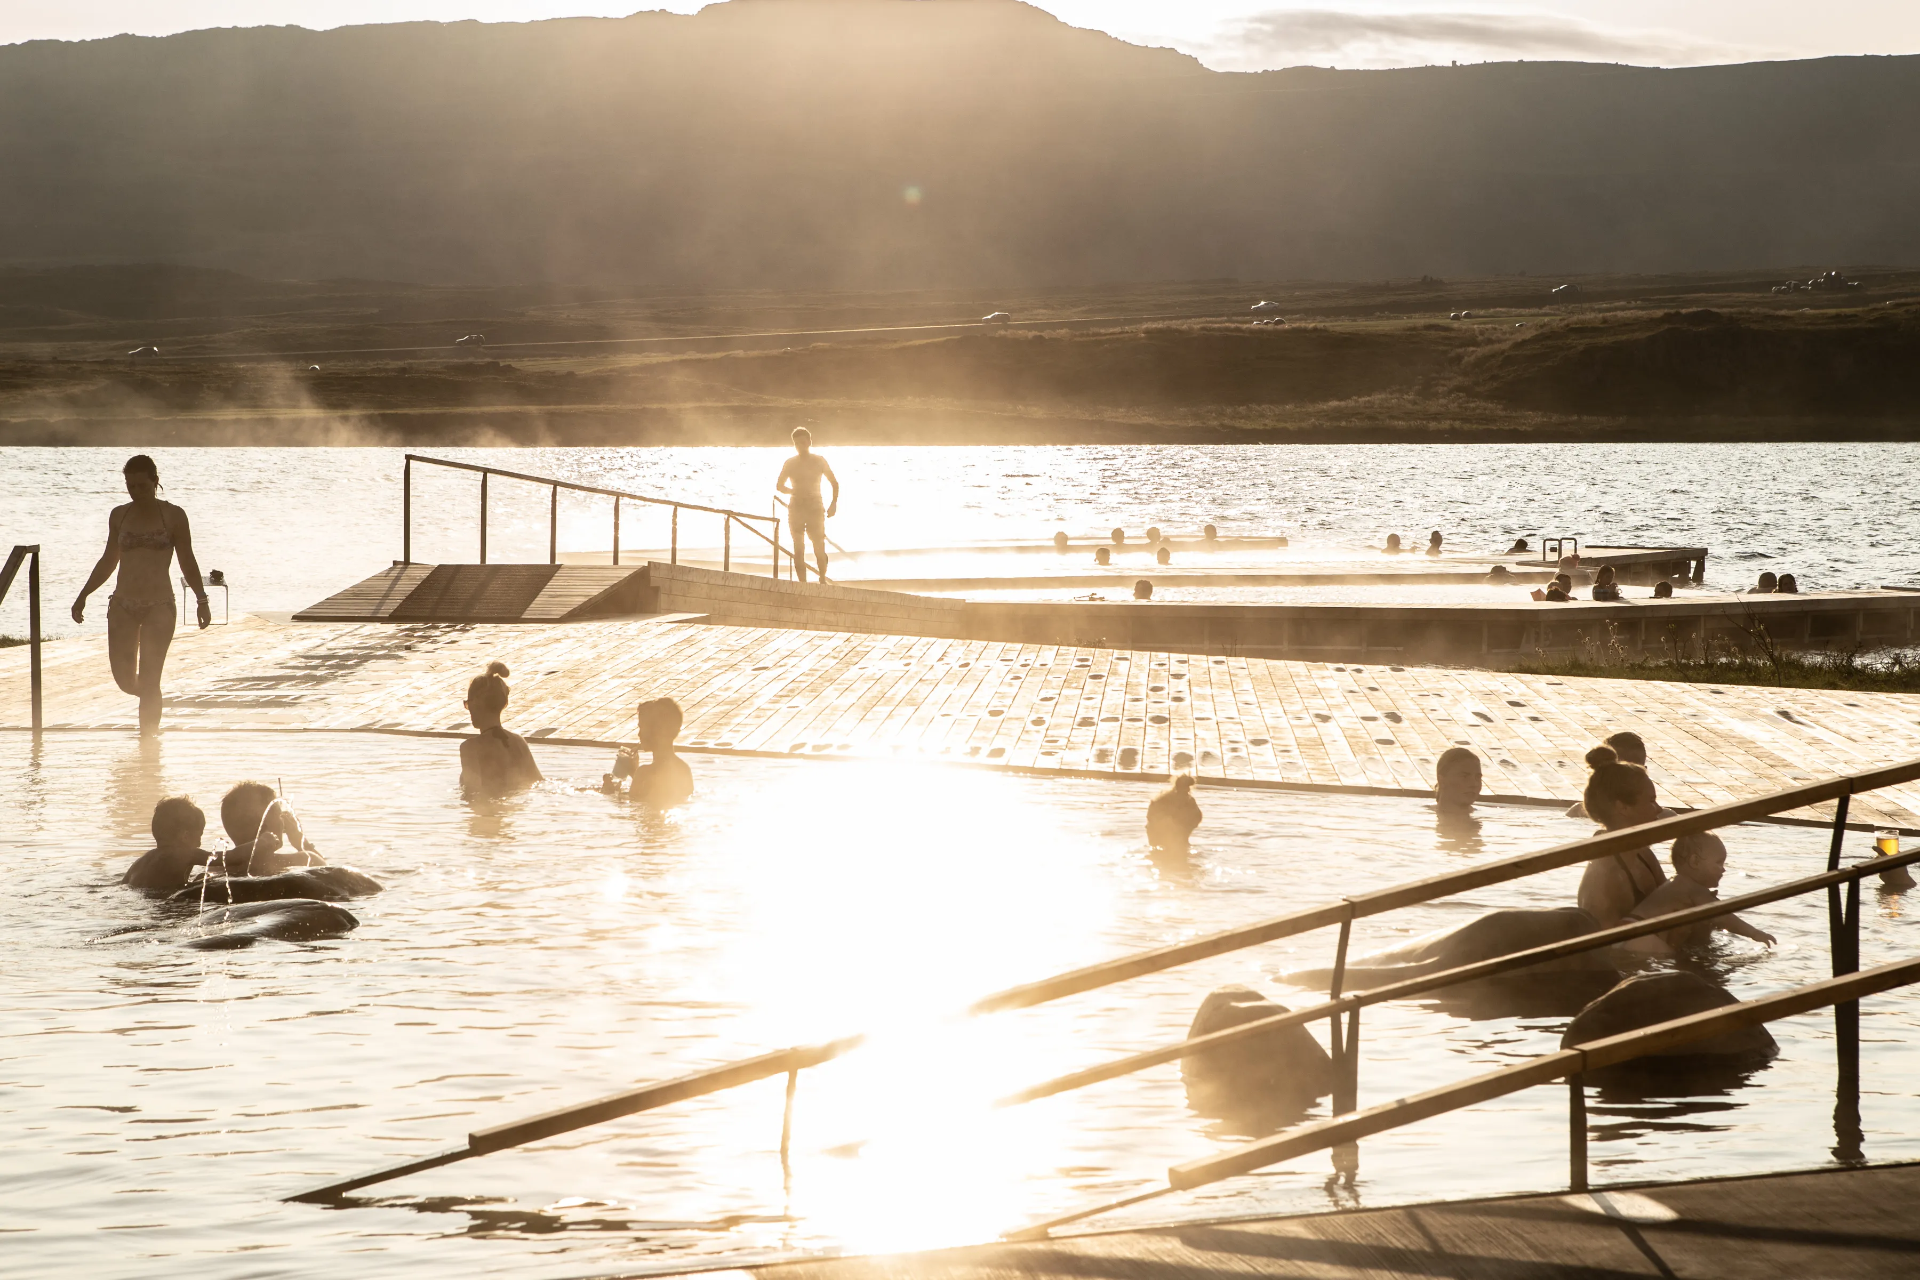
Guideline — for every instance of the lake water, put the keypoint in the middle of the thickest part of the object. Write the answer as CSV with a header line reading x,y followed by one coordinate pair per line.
x,y
291,526
159,1101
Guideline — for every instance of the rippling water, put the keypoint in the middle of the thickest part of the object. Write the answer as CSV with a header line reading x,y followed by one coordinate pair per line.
x,y
158,1101
290,526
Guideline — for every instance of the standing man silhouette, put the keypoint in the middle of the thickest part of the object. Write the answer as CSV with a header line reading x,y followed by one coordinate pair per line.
x,y
806,515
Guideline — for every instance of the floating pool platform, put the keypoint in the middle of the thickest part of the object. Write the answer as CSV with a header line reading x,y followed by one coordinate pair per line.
x,y
1234,720
1831,1222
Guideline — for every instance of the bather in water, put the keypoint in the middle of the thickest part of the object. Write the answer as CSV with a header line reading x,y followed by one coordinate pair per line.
x,y
494,761
1699,862
1173,815
665,782
258,824
1619,795
178,825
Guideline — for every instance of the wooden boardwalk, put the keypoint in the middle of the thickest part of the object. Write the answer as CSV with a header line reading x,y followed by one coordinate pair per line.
x,y
1856,1223
1048,708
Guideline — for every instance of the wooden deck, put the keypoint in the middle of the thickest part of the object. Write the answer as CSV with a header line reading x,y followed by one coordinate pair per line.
x,y
1856,1223
1246,721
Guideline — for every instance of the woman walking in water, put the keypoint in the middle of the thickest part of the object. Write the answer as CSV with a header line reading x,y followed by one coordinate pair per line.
x,y
142,539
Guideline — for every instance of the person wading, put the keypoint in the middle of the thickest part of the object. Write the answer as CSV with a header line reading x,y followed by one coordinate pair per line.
x,y
143,537
806,515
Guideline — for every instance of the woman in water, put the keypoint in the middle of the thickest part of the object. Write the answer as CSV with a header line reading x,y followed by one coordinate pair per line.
x,y
1619,795
142,539
494,761
1606,585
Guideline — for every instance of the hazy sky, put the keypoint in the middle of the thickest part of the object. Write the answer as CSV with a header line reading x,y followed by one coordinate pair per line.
x,y
1229,34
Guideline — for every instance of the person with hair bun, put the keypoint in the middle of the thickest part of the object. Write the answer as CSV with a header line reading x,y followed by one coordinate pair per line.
x,y
1619,795
143,537
494,761
665,782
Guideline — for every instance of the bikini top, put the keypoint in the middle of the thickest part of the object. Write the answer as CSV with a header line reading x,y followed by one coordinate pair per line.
x,y
156,540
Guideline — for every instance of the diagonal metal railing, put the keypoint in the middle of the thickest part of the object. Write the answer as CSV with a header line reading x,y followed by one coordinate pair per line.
x,y
746,520
1843,924
29,554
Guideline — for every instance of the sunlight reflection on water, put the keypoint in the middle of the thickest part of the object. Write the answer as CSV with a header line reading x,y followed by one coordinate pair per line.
x,y
560,945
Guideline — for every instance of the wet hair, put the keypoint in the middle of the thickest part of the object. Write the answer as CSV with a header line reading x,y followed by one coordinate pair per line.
x,y
491,689
1143,590
1613,782
1393,539
1102,556
1163,555
1690,847
1767,582
1519,544
1663,590
1788,585
1433,537
1119,536
1060,540
1452,758
175,817
141,464
1210,533
1627,745
1153,534
236,804
1605,575
664,714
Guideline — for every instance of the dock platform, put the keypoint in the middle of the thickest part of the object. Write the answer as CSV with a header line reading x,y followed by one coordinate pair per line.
x,y
1103,712
1855,1223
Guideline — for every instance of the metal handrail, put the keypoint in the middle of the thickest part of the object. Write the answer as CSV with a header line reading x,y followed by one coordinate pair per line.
x,y
1342,913
555,485
30,553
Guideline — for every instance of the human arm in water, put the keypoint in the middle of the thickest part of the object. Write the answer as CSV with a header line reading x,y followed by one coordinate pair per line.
x,y
103,569
190,569
1734,924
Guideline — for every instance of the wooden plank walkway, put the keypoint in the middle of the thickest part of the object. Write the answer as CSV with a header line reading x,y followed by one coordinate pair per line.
x,y
1835,1222
1048,708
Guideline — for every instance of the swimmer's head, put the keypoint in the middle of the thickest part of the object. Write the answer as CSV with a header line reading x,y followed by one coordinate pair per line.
x,y
1182,784
487,696
1102,556
1456,779
1789,585
659,723
1701,858
1605,577
1393,542
1153,533
1119,537
1163,555
1663,590
178,822
1499,571
1618,794
141,475
1433,539
1629,746
241,811
802,439
1060,541
1143,590
1211,533
1557,592
1767,583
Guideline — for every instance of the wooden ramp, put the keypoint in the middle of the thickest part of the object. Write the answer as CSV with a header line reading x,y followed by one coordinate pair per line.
x,y
1857,1223
489,593
1047,708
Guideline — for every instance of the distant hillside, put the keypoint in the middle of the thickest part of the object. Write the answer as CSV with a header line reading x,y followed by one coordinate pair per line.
x,y
931,143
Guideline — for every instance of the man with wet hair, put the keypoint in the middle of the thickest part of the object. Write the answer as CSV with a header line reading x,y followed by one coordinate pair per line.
x,y
1456,779
806,515
667,781
256,822
178,825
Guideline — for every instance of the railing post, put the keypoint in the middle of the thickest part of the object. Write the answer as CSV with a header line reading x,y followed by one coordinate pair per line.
x,y
673,549
1577,1132
1333,993
616,531
33,633
726,544
775,540
483,517
553,526
406,511
786,1118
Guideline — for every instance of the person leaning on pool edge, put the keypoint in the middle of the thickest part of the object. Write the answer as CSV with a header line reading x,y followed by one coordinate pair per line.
x,y
143,537
494,761
1456,780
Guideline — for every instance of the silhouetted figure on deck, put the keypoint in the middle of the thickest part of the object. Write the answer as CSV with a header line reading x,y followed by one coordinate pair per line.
x,y
494,761
178,825
143,537
257,823
667,781
807,515
1173,815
